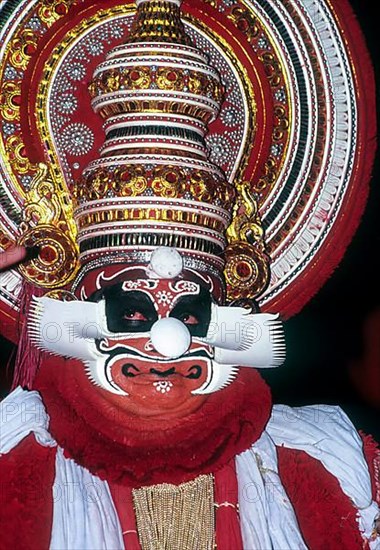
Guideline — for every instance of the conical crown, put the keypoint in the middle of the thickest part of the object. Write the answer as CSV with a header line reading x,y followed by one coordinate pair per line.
x,y
153,183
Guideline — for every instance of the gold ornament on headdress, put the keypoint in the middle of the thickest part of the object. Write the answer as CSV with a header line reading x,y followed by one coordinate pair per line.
x,y
48,225
153,181
247,264
159,21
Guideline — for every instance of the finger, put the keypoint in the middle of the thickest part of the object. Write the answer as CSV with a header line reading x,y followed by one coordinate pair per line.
x,y
12,256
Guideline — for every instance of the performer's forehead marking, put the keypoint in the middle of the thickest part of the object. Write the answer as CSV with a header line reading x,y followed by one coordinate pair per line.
x,y
163,293
102,277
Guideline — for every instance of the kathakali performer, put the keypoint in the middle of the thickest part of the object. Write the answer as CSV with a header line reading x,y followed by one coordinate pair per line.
x,y
184,177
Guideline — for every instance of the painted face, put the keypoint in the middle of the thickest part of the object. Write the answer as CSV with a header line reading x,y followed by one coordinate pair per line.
x,y
155,382
154,344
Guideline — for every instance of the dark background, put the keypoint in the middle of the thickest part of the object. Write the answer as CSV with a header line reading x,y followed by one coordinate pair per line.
x,y
330,337
339,330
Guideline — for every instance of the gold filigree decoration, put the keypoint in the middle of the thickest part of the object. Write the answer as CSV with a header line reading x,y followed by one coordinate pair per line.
x,y
10,98
142,78
51,11
22,47
5,240
282,122
246,223
273,68
162,105
245,21
150,214
176,516
269,175
170,79
158,21
19,51
61,295
165,181
247,264
48,225
16,154
164,188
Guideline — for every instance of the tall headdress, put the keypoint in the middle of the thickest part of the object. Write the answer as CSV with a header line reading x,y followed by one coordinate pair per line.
x,y
269,192
153,184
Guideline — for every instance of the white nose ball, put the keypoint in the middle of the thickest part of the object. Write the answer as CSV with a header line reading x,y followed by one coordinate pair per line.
x,y
170,337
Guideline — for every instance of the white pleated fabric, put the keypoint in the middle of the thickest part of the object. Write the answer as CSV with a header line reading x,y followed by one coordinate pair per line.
x,y
267,518
326,434
84,515
22,413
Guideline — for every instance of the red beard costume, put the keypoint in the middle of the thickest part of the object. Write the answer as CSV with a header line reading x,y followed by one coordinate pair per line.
x,y
233,420
134,451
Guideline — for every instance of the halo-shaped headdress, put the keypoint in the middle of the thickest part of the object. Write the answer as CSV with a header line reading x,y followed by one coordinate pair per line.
x,y
270,191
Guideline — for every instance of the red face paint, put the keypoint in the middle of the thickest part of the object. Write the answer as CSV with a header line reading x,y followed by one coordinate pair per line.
x,y
155,384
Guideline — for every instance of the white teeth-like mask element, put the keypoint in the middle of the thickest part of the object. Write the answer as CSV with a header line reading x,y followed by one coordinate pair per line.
x,y
243,339
238,338
219,377
69,329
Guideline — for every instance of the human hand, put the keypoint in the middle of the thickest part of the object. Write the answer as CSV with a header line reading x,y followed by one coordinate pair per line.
x,y
12,256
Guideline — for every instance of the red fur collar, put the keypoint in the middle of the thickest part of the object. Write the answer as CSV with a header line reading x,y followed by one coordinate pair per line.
x,y
128,450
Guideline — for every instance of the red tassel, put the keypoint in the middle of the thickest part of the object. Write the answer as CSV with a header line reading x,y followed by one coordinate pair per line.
x,y
326,516
26,480
28,357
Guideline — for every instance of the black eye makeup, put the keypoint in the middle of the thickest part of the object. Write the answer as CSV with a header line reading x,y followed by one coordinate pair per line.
x,y
129,311
133,310
194,312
